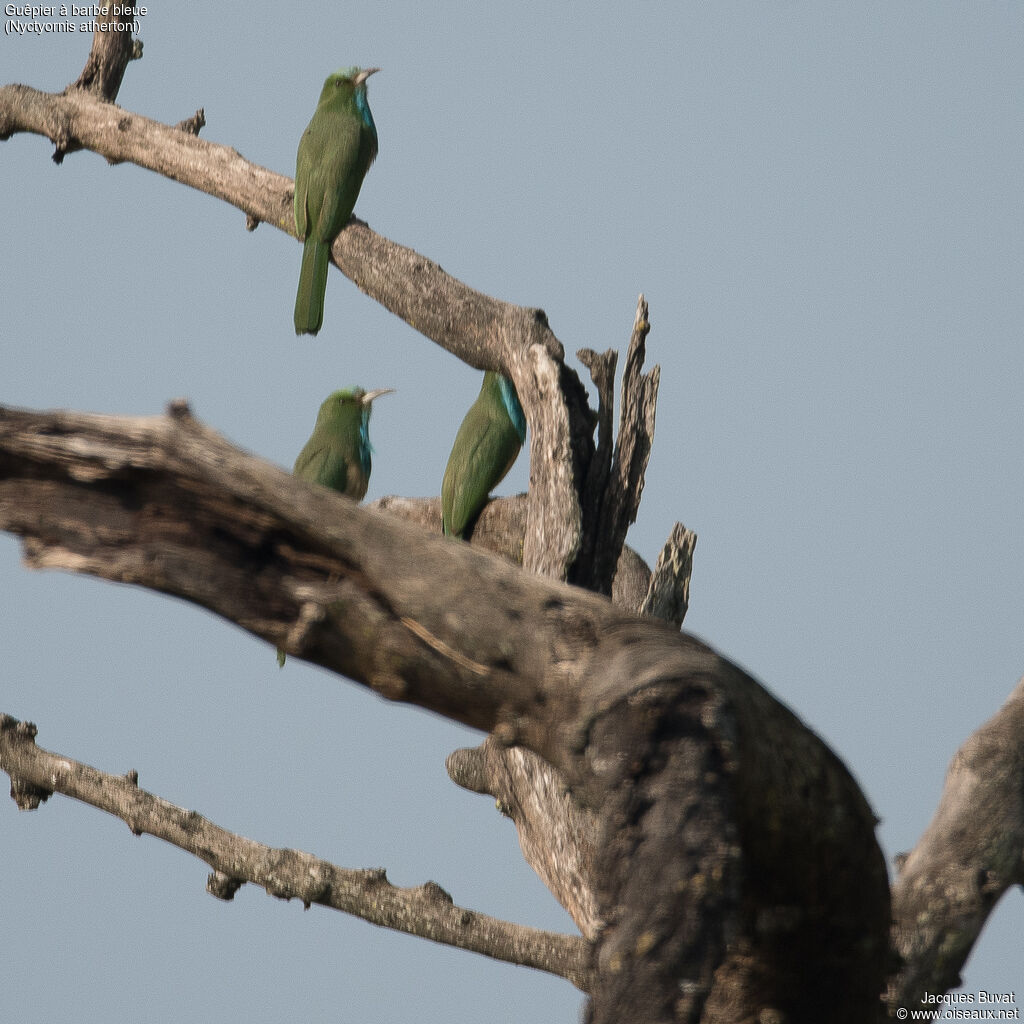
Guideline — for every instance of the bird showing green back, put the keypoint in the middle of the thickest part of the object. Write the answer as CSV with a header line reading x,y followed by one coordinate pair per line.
x,y
486,445
337,454
335,152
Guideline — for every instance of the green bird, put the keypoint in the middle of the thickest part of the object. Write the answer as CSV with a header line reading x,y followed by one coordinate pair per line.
x,y
486,445
335,152
337,454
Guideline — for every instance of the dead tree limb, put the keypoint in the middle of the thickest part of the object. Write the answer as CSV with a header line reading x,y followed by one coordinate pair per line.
x,y
426,910
113,46
970,854
668,594
736,867
616,482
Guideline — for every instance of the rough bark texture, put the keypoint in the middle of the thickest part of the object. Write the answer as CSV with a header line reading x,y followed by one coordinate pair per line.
x,y
557,834
112,48
971,853
763,888
476,328
668,592
615,480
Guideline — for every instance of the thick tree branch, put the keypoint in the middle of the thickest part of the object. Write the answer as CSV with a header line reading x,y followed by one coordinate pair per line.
x,y
641,725
556,833
736,856
970,854
291,550
475,327
482,331
427,910
721,856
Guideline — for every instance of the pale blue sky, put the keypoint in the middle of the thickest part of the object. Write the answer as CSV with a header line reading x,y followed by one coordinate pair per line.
x,y
822,204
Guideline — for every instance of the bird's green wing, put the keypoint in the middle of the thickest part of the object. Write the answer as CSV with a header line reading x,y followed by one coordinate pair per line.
x,y
299,201
327,183
485,448
299,209
334,176
322,463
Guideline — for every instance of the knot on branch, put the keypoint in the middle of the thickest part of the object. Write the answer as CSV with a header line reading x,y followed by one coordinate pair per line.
x,y
223,886
296,875
466,768
179,409
194,124
435,894
26,795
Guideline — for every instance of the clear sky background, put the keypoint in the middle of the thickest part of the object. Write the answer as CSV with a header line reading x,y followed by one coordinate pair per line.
x,y
822,204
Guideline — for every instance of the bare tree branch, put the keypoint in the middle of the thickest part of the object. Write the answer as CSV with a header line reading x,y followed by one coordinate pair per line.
x,y
193,126
471,325
268,567
970,854
595,483
720,856
476,328
427,910
556,833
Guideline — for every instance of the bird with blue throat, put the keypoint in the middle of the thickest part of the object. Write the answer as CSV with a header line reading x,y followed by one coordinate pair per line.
x,y
338,452
486,446
335,152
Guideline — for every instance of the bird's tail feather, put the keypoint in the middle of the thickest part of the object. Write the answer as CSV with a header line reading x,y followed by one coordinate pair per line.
x,y
309,301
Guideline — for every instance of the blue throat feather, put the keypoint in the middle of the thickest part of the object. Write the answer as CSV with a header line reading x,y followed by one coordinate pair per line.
x,y
365,448
364,109
512,406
